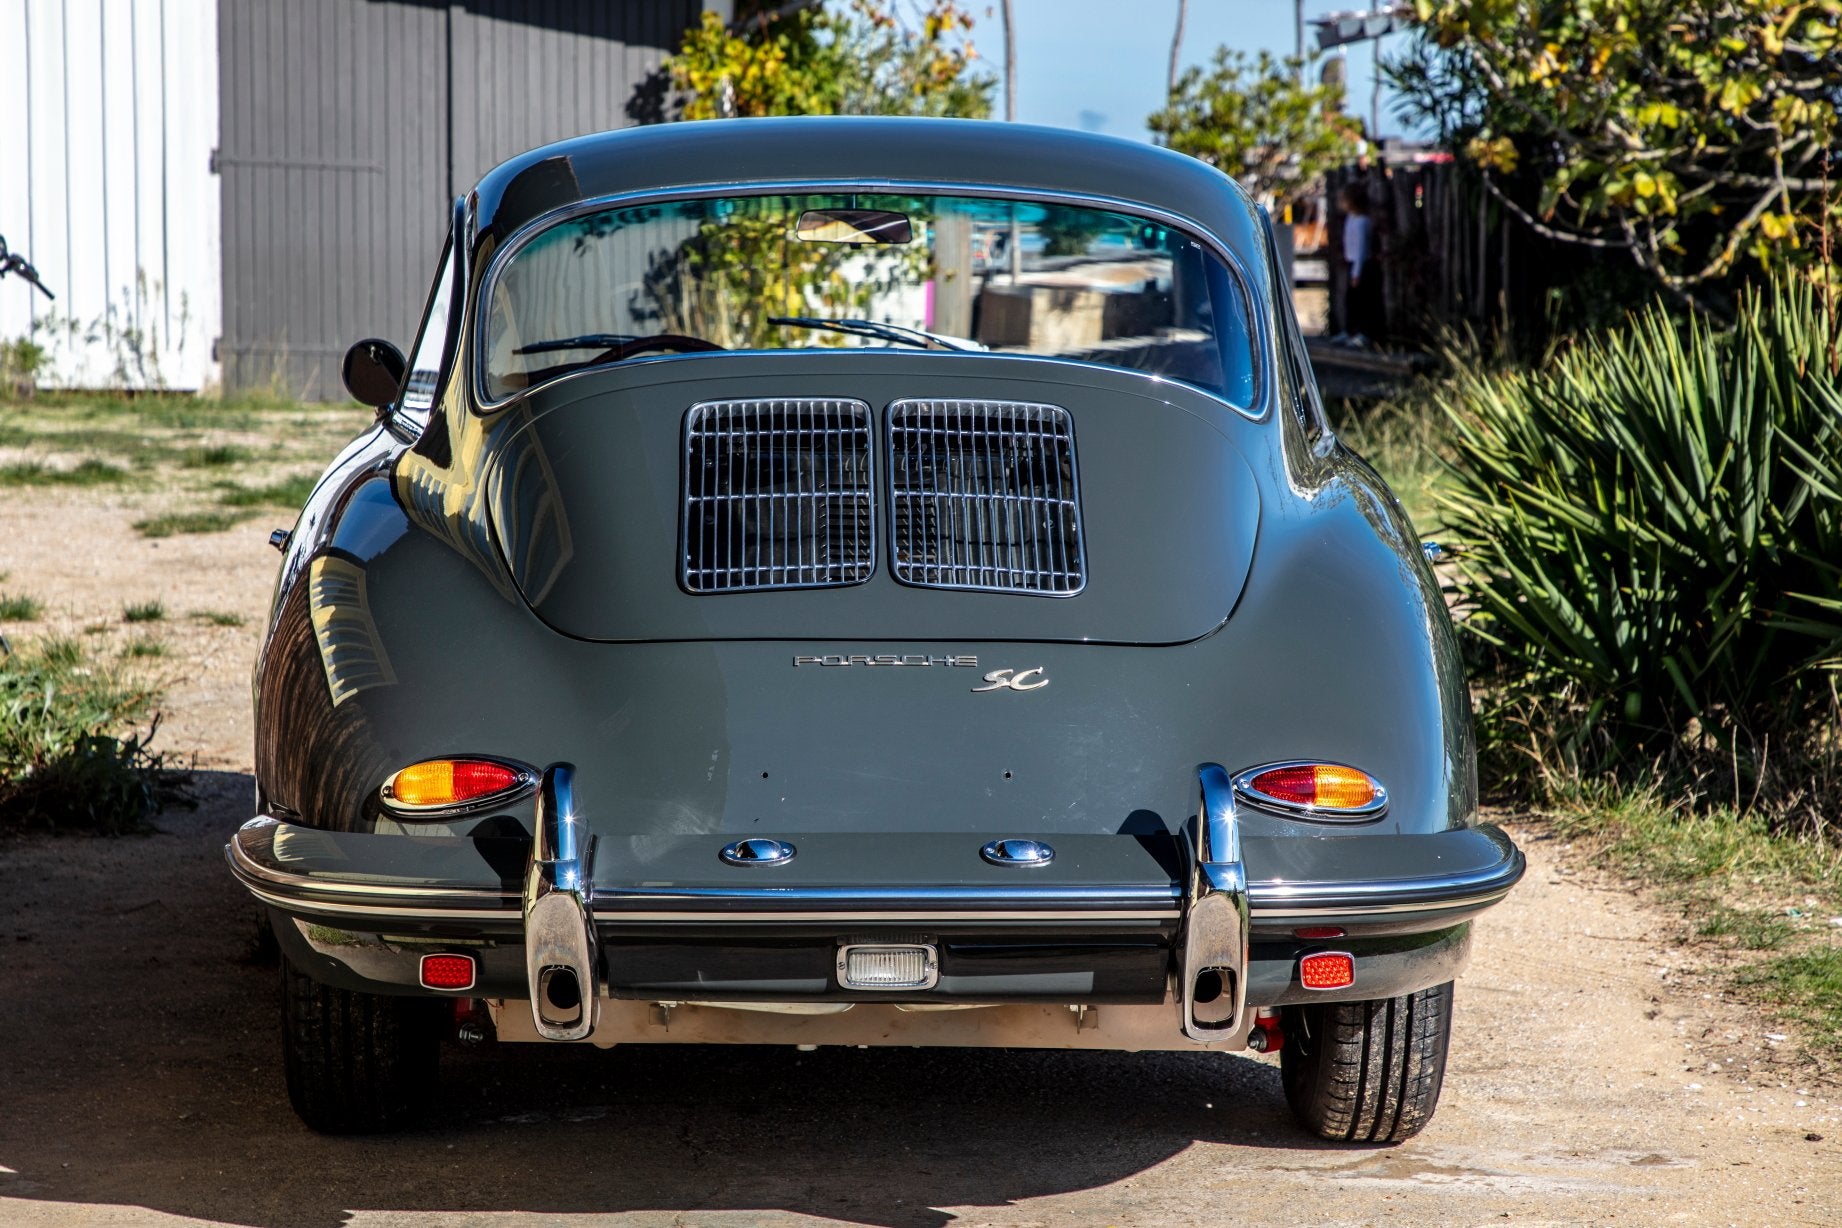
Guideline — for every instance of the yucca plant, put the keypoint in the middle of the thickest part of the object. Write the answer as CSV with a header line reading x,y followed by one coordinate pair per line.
x,y
1652,523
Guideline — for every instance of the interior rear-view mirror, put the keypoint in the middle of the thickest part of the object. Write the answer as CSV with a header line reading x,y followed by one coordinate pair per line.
x,y
863,227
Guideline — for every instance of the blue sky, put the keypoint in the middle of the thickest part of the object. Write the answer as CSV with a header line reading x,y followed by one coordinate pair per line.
x,y
1100,64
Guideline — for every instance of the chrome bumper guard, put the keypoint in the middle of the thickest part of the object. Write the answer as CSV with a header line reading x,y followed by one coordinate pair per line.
x,y
1212,967
559,918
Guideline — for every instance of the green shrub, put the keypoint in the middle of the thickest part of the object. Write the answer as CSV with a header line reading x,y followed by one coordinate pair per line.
x,y
62,763
1652,526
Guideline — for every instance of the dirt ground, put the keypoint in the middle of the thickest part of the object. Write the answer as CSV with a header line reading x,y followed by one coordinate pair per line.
x,y
1595,1077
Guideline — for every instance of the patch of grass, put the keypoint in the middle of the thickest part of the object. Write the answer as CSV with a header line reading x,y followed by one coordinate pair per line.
x,y
86,472
20,608
1807,986
217,618
61,652
145,612
214,457
1647,839
143,648
1764,897
290,492
64,760
1751,929
190,522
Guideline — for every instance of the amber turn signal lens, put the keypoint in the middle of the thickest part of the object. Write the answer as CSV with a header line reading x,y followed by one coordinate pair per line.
x,y
1322,786
450,782
1328,970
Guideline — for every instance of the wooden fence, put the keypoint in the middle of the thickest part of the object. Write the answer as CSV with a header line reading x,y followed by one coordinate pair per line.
x,y
1453,259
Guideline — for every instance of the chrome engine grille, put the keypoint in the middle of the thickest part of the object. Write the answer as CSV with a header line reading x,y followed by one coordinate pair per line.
x,y
984,496
777,494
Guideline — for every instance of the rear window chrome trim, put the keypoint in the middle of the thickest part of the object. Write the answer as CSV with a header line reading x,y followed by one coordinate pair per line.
x,y
1262,339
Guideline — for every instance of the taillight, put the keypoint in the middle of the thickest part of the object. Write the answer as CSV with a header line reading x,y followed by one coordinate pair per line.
x,y
456,784
1324,790
1327,970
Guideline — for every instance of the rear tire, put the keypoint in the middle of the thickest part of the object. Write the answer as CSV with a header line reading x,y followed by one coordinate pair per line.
x,y
356,1062
1367,1072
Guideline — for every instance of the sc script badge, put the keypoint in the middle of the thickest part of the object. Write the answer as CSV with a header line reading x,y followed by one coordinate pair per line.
x,y
1014,680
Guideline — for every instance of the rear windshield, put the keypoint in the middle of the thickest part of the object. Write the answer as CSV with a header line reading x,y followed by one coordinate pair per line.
x,y
858,270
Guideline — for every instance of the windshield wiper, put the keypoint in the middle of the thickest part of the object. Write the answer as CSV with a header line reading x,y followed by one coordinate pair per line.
x,y
588,341
901,334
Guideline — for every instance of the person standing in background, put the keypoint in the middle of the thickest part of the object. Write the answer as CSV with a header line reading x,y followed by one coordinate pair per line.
x,y
1362,306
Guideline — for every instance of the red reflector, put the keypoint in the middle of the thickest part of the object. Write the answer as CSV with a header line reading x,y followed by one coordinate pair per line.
x,y
1327,970
447,972
1317,933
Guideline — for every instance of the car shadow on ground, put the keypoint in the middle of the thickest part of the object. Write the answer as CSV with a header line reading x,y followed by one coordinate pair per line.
x,y
139,1055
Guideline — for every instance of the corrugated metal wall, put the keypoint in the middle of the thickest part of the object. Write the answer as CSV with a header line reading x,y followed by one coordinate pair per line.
x,y
108,111
349,127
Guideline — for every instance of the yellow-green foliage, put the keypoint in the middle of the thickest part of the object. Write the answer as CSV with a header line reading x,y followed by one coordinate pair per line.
x,y
1269,124
1689,137
865,57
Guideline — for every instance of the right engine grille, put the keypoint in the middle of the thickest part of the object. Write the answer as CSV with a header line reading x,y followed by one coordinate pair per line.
x,y
984,496
777,494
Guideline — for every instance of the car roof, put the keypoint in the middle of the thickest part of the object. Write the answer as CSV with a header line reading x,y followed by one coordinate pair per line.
x,y
978,154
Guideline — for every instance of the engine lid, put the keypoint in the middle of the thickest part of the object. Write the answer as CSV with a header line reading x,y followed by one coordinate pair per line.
x,y
598,484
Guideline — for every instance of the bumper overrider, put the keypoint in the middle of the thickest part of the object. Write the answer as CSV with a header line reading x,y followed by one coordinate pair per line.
x,y
1172,961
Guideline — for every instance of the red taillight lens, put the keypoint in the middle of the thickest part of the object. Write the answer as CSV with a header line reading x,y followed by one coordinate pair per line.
x,y
1318,933
447,972
1327,970
1319,786
451,782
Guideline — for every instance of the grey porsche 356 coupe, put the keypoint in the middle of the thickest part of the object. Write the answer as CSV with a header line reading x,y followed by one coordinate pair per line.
x,y
861,582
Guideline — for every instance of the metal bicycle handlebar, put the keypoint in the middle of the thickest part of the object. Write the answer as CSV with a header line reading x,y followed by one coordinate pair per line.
x,y
19,266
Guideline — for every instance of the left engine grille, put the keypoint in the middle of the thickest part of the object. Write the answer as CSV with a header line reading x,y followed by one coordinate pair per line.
x,y
777,494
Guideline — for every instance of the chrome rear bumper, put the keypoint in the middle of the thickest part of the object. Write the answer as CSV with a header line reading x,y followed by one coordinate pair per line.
x,y
1229,938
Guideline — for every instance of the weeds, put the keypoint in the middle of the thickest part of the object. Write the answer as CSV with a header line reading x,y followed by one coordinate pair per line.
x,y
63,763
86,472
217,618
290,492
20,608
144,648
214,457
1807,986
1767,898
190,522
144,612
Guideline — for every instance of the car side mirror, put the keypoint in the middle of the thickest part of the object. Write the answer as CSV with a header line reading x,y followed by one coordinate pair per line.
x,y
373,372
